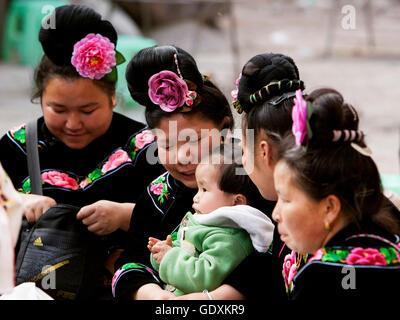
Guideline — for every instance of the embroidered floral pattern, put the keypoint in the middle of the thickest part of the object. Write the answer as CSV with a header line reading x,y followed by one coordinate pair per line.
x,y
115,160
289,270
358,256
19,133
139,142
127,268
159,188
59,179
54,178
64,180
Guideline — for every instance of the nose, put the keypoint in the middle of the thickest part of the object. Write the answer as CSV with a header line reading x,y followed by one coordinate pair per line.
x,y
196,198
73,122
275,213
185,155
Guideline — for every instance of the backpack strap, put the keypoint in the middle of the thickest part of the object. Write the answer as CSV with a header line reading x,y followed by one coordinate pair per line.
x,y
33,157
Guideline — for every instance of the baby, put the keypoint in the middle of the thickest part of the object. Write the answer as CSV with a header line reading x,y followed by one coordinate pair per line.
x,y
224,230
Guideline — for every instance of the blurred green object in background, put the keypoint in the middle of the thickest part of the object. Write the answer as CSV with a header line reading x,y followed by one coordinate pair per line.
x,y
391,182
20,44
128,46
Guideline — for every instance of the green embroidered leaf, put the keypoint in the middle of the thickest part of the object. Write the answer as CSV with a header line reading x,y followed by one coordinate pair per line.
x,y
20,135
132,155
159,180
96,173
131,266
333,255
132,145
26,187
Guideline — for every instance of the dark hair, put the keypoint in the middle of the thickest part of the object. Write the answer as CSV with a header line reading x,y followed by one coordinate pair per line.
x,y
325,167
272,79
232,177
73,23
149,61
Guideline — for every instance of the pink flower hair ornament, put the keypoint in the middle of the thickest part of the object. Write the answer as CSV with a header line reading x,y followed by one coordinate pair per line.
x,y
301,114
171,92
95,57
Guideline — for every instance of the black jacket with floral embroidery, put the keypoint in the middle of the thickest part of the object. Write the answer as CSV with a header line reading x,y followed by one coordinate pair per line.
x,y
158,212
359,262
112,167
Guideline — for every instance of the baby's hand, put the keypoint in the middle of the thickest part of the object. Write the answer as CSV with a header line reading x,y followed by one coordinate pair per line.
x,y
152,242
160,248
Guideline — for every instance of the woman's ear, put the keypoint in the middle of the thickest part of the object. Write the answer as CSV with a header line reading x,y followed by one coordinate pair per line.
x,y
239,199
114,100
331,210
266,152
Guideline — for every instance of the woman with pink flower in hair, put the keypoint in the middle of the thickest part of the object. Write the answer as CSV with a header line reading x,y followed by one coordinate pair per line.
x,y
330,205
190,116
90,156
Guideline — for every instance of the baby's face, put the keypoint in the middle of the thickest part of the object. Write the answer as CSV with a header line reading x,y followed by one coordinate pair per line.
x,y
209,197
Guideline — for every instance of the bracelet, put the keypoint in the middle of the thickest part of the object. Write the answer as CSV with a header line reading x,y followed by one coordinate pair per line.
x,y
208,294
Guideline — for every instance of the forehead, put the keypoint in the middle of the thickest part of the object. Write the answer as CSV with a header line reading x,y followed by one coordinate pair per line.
x,y
207,172
73,91
283,176
177,122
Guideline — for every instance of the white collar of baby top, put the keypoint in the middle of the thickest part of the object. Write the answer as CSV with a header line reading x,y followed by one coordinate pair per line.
x,y
10,224
257,224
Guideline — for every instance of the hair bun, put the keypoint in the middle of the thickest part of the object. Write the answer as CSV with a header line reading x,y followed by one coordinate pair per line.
x,y
73,23
263,69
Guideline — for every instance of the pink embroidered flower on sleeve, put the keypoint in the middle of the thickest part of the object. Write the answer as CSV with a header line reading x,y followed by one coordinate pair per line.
x,y
299,117
94,56
59,179
369,256
157,188
143,139
115,160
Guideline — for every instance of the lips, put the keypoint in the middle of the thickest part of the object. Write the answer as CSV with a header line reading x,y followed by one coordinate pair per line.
x,y
188,174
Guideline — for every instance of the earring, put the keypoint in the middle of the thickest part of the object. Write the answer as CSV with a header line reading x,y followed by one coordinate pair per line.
x,y
327,226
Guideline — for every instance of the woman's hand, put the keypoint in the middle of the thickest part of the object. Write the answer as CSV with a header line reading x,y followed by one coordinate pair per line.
x,y
104,217
152,291
35,205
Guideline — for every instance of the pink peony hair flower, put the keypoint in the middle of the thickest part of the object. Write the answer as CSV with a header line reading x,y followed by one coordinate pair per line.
x,y
369,256
118,158
299,117
59,179
143,139
157,188
168,90
94,56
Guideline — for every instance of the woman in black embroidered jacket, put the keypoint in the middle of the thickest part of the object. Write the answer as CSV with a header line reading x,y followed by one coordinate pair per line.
x,y
330,204
90,156
188,119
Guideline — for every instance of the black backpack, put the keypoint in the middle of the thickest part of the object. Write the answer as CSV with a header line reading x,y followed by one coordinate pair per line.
x,y
57,252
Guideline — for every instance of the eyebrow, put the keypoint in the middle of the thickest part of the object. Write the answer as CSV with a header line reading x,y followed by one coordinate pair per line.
x,y
90,104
